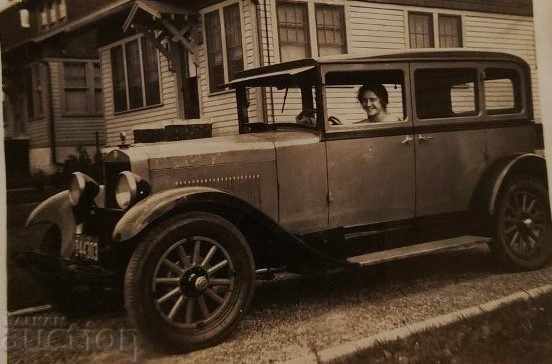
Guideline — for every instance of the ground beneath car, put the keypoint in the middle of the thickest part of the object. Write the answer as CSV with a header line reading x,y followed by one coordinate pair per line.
x,y
289,316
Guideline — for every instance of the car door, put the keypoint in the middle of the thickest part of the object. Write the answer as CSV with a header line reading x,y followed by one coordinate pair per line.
x,y
449,136
370,164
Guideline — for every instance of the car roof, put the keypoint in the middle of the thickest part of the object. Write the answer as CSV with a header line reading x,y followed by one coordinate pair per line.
x,y
385,56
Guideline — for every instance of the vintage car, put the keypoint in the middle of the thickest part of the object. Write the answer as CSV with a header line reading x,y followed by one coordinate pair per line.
x,y
357,160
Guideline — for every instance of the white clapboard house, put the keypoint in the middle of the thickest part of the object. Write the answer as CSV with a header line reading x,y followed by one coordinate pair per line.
x,y
166,62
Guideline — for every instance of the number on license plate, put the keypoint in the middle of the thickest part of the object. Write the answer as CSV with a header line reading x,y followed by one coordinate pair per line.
x,y
86,247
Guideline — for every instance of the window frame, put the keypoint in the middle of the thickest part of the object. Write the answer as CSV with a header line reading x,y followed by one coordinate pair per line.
x,y
524,110
435,15
359,67
313,39
479,99
91,89
343,25
308,36
44,13
219,8
460,29
432,27
226,45
122,44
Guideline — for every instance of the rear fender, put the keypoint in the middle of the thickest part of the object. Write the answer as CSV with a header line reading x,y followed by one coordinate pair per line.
x,y
486,195
529,163
275,246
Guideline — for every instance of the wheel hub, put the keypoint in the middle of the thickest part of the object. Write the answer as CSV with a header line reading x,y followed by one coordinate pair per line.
x,y
194,281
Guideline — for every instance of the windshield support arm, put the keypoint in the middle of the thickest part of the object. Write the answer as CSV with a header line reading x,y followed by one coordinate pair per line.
x,y
306,97
243,117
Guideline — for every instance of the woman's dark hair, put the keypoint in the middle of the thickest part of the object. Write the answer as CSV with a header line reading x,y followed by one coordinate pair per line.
x,y
376,88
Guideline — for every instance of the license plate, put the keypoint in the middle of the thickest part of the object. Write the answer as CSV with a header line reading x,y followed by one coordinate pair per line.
x,y
86,247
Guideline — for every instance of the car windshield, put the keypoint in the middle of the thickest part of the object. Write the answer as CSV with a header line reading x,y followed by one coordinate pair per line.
x,y
290,102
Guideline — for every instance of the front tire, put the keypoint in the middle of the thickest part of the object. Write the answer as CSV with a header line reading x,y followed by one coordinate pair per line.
x,y
522,224
189,282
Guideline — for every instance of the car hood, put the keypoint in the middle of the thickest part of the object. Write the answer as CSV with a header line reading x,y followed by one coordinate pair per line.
x,y
253,147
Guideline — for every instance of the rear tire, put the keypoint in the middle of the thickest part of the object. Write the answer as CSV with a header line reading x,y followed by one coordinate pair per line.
x,y
189,282
523,229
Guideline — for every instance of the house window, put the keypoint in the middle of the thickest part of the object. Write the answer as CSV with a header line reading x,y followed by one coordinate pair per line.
x,y
33,92
214,51
293,31
135,75
62,9
98,87
450,31
234,51
44,16
231,37
52,12
119,79
330,29
82,88
422,32
151,73
420,26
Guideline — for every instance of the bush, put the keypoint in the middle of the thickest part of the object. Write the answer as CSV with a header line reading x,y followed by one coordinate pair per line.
x,y
78,163
39,180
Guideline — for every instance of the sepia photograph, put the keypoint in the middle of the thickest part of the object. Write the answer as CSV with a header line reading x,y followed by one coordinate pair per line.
x,y
276,181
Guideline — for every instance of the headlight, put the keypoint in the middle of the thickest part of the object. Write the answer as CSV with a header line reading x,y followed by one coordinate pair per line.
x,y
82,186
130,188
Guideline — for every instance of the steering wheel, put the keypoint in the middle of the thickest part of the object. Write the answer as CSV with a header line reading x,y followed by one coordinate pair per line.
x,y
334,121
306,117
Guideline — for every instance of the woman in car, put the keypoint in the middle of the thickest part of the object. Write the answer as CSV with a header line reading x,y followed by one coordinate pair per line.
x,y
374,99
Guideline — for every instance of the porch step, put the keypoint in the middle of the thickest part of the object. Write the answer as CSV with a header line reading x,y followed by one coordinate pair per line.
x,y
416,250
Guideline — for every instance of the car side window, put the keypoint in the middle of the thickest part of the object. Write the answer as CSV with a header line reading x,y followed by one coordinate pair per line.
x,y
365,97
446,92
502,91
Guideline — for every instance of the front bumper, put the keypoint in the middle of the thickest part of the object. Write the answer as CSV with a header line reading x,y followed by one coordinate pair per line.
x,y
65,271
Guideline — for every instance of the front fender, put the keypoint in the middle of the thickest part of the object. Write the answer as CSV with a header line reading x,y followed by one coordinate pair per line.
x,y
152,208
56,210
290,250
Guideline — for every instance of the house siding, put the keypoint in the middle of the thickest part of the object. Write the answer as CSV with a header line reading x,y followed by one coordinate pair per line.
x,y
72,131
512,7
371,25
220,109
37,128
377,26
513,34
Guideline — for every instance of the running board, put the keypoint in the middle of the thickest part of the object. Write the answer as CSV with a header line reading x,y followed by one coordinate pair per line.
x,y
417,250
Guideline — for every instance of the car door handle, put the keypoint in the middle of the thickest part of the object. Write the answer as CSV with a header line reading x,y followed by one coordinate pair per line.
x,y
424,138
407,139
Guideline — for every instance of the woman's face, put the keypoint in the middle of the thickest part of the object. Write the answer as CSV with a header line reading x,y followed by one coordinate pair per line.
x,y
371,103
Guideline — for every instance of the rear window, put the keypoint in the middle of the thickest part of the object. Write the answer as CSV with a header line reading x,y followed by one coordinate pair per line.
x,y
502,91
446,92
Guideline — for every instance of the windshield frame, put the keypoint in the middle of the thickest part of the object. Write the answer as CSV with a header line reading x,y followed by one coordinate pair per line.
x,y
310,78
